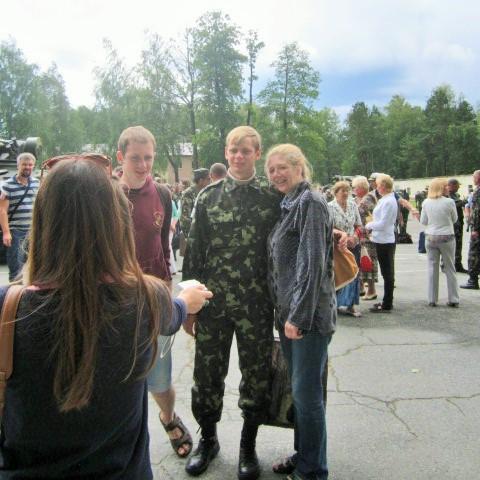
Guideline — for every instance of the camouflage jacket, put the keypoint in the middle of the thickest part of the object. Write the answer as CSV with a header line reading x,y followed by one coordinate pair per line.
x,y
227,245
188,201
459,204
475,213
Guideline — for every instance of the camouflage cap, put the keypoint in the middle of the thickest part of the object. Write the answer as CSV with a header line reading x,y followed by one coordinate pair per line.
x,y
200,173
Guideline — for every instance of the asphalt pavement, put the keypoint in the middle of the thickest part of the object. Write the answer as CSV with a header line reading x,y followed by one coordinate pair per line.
x,y
403,391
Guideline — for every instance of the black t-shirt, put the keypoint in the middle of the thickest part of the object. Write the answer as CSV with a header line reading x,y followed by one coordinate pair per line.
x,y
106,440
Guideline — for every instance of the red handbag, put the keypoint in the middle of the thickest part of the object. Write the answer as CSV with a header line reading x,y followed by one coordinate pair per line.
x,y
366,263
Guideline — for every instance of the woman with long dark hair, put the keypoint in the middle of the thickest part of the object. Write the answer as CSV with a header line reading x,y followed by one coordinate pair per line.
x,y
85,335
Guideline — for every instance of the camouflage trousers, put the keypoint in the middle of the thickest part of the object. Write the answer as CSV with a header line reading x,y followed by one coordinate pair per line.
x,y
254,335
474,257
458,229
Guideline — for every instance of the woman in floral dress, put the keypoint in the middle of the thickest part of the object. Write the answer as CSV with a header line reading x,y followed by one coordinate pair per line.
x,y
347,218
366,202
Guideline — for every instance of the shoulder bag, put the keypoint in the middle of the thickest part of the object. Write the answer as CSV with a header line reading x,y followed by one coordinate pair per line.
x,y
7,333
281,411
345,267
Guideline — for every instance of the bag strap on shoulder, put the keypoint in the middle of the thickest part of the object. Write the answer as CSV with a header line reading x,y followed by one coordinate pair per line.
x,y
12,213
7,329
165,197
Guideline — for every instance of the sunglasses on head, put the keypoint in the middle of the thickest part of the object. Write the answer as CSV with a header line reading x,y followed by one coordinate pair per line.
x,y
101,160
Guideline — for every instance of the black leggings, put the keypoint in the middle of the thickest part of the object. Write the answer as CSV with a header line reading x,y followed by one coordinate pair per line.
x,y
386,260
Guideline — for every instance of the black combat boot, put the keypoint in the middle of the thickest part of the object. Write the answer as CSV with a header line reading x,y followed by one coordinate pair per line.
x,y
472,283
207,449
248,466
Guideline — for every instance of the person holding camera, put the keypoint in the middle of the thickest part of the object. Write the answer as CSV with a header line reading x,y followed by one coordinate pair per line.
x,y
16,204
85,334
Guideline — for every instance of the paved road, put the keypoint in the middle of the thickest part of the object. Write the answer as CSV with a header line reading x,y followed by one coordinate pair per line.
x,y
404,392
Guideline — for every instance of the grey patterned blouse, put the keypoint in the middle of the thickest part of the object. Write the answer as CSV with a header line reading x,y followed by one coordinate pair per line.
x,y
300,252
345,220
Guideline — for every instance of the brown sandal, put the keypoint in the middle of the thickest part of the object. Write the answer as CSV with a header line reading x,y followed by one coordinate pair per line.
x,y
185,439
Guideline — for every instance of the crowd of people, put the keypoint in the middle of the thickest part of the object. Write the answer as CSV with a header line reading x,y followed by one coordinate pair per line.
x,y
94,324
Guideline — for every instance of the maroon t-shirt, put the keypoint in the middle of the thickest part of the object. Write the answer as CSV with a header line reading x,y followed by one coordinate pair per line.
x,y
151,230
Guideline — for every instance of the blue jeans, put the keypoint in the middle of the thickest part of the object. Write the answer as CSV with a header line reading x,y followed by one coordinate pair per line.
x,y
16,255
307,359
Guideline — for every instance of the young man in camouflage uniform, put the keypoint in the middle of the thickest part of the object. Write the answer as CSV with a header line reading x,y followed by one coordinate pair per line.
x,y
474,250
201,179
226,250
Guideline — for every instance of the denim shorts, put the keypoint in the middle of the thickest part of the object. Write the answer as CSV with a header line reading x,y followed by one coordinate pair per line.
x,y
159,378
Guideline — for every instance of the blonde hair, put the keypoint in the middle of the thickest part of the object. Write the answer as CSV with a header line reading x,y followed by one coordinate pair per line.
x,y
386,181
293,155
339,186
360,181
137,134
239,134
437,187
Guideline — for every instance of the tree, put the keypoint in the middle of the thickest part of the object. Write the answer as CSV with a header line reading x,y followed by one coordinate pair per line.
x,y
186,86
439,112
18,92
219,66
60,132
294,89
35,103
463,139
405,135
358,134
253,47
328,126
115,95
161,110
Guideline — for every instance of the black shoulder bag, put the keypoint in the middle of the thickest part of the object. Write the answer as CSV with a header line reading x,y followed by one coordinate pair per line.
x,y
12,213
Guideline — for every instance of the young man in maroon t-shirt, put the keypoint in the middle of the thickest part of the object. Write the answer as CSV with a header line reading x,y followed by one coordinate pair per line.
x,y
136,153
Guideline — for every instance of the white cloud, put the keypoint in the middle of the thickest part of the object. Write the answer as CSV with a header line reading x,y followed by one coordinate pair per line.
x,y
429,42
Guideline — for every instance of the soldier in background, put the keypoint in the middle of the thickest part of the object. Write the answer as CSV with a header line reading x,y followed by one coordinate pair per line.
x,y
404,212
201,179
453,185
217,172
227,250
474,250
419,198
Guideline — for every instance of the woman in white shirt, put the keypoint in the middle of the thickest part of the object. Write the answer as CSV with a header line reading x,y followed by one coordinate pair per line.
x,y
439,214
383,236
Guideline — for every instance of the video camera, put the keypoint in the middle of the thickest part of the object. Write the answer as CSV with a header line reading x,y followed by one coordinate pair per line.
x,y
10,149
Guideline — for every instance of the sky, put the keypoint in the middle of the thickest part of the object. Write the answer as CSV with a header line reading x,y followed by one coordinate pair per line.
x,y
364,50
